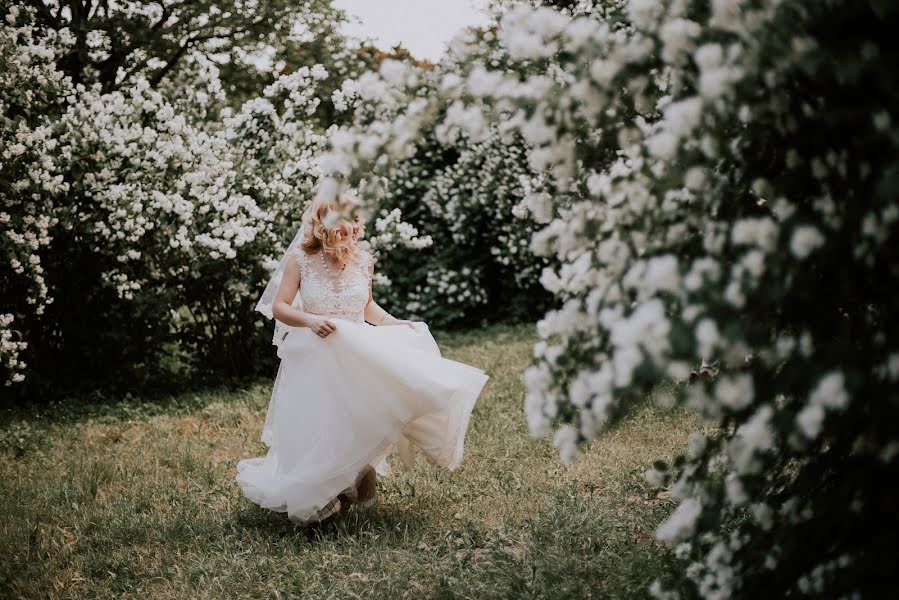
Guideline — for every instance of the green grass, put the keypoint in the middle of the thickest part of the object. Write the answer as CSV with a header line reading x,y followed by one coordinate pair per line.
x,y
139,501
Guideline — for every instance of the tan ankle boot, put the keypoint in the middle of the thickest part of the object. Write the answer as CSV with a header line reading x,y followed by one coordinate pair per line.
x,y
367,487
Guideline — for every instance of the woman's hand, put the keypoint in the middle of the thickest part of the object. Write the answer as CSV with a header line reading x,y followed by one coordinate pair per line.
x,y
322,327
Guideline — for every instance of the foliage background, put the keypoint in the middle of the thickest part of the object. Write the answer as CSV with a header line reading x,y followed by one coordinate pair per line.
x,y
657,182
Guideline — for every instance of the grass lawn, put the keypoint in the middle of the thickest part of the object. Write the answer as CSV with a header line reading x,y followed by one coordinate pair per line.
x,y
138,500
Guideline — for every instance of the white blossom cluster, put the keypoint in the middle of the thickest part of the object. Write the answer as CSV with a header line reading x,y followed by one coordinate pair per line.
x,y
446,291
203,192
479,198
10,348
31,167
392,237
392,233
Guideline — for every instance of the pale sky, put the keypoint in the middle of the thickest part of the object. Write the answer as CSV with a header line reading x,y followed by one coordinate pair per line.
x,y
423,26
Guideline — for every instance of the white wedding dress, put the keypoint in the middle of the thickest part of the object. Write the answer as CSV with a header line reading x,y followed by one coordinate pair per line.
x,y
351,399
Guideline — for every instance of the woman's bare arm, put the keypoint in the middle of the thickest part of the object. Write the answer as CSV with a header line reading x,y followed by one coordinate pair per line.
x,y
374,313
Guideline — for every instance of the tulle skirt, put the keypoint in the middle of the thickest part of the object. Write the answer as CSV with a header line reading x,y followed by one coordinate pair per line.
x,y
351,400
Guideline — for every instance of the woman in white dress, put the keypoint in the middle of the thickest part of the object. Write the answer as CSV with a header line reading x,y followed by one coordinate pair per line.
x,y
355,384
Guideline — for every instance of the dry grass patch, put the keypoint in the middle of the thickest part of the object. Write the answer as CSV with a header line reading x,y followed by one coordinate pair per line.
x,y
133,502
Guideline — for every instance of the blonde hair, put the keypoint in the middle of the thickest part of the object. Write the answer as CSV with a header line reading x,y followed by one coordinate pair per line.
x,y
320,237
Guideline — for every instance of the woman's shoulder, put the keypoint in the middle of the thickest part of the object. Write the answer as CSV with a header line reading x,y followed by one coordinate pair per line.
x,y
366,256
300,254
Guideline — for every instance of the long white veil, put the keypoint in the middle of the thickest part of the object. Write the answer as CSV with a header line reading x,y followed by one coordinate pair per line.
x,y
281,330
266,301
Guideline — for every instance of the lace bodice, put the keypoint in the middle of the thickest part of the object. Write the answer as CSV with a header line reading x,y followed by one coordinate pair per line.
x,y
326,291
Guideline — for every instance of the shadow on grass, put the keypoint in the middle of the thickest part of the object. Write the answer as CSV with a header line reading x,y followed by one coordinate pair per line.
x,y
374,521
75,409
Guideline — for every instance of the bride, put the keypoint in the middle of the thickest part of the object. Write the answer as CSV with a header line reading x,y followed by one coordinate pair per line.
x,y
354,385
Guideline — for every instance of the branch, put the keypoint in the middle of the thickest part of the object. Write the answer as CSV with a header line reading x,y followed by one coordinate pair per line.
x,y
215,36
44,12
161,73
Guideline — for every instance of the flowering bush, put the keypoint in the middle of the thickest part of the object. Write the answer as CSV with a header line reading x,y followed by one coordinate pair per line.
x,y
141,182
30,179
464,192
130,202
724,180
477,265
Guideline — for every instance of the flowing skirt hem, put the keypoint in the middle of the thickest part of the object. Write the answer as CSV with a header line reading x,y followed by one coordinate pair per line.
x,y
252,472
343,481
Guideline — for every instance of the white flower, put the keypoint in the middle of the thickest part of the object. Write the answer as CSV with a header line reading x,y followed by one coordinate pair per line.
x,y
662,273
806,238
735,393
394,72
683,550
527,32
702,268
751,438
663,145
678,370
736,493
654,477
166,113
549,280
830,392
328,189
890,451
707,337
482,82
677,36
709,56
15,149
728,15
763,514
539,424
733,293
810,419
695,178
643,13
892,366
682,522
696,444
540,206
760,231
659,593
565,440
